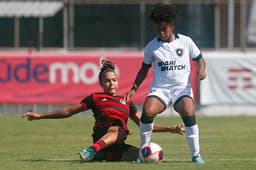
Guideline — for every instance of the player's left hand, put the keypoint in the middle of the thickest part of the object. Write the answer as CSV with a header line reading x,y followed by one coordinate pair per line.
x,y
201,75
179,129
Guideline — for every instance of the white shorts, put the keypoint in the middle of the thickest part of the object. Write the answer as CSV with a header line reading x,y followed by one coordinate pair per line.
x,y
169,95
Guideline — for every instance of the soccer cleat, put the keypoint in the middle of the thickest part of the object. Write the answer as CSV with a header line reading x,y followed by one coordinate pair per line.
x,y
198,159
138,160
87,154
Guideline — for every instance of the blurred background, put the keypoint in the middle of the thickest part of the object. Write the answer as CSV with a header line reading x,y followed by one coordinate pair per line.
x,y
35,35
76,24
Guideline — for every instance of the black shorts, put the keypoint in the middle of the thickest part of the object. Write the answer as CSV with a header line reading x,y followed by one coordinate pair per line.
x,y
115,152
118,152
98,132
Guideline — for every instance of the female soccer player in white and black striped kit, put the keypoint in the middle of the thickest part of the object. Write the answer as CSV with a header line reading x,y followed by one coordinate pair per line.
x,y
170,53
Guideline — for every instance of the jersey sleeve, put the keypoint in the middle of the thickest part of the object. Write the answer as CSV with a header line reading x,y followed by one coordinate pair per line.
x,y
148,56
87,102
194,51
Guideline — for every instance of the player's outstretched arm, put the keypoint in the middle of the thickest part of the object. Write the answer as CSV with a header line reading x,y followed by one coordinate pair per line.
x,y
179,128
62,113
141,75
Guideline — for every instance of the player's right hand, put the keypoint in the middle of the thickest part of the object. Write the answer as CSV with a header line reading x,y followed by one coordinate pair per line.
x,y
31,116
179,129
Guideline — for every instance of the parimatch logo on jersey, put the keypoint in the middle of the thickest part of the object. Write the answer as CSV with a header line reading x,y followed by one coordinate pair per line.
x,y
170,65
179,52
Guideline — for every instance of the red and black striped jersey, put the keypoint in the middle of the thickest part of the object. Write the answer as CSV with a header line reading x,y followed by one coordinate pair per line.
x,y
109,109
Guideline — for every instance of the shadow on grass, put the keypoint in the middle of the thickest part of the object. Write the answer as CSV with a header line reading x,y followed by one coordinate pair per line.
x,y
52,160
176,161
79,161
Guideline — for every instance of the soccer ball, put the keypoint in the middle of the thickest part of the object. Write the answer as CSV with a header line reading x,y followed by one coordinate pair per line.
x,y
151,152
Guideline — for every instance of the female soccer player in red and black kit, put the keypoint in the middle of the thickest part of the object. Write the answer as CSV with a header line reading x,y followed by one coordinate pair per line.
x,y
111,113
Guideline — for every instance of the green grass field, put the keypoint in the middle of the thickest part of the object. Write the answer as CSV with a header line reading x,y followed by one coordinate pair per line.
x,y
226,143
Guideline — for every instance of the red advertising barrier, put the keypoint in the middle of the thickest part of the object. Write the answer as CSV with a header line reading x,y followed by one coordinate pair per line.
x,y
65,77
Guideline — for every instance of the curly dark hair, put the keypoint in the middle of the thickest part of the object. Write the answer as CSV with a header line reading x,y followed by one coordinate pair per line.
x,y
164,13
107,66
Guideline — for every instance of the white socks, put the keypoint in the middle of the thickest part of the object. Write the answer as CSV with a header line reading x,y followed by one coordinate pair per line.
x,y
145,133
192,134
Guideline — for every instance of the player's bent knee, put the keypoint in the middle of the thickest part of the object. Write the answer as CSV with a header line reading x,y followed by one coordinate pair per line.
x,y
113,129
153,106
119,132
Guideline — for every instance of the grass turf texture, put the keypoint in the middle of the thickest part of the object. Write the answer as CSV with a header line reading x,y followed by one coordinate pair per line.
x,y
226,143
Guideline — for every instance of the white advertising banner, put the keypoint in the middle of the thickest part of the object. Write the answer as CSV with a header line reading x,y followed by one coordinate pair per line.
x,y
231,78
